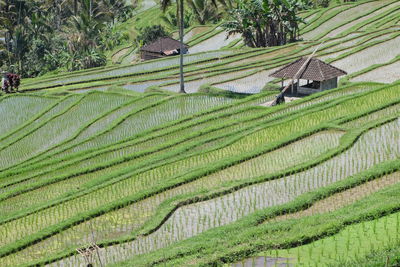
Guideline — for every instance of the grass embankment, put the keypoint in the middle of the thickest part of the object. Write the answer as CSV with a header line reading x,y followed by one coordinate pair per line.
x,y
247,236
291,108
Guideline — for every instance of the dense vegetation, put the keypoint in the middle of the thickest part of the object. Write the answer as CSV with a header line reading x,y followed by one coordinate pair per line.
x,y
41,36
266,23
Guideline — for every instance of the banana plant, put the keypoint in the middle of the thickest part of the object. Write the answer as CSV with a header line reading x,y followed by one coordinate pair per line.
x,y
204,11
265,22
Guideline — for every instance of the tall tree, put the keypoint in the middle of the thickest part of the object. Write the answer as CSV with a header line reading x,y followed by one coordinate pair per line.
x,y
265,22
13,15
42,35
204,11
172,19
180,7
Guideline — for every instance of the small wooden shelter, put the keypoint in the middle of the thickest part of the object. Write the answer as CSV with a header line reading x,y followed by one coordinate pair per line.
x,y
162,47
320,76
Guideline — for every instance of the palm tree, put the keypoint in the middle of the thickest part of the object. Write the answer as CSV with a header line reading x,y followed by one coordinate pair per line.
x,y
265,22
87,26
204,11
172,19
13,18
164,5
250,21
228,4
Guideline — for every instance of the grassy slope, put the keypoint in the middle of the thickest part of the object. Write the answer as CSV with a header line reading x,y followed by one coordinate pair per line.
x,y
360,100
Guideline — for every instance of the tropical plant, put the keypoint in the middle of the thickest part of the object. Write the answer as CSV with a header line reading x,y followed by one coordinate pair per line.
x,y
171,19
38,34
229,4
265,22
151,33
44,56
321,3
118,9
204,11
112,37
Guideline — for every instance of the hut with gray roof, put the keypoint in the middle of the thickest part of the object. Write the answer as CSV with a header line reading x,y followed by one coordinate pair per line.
x,y
317,76
162,47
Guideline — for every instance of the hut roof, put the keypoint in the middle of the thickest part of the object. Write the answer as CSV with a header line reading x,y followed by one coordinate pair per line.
x,y
163,44
315,70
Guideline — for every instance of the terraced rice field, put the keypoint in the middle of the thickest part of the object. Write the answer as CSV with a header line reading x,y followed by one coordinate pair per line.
x,y
383,74
353,44
114,157
146,192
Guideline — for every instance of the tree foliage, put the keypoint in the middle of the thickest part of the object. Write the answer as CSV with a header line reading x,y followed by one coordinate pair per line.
x,y
321,3
41,36
265,23
151,33
204,11
171,19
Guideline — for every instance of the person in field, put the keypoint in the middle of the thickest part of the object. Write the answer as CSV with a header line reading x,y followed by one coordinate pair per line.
x,y
14,81
10,82
4,81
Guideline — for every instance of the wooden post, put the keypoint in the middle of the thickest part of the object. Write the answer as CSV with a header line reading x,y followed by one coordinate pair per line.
x,y
181,27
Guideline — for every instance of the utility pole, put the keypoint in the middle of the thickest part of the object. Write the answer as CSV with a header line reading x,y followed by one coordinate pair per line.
x,y
75,7
181,27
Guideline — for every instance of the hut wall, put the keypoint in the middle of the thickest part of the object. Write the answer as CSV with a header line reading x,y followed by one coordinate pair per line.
x,y
307,91
329,84
145,55
318,87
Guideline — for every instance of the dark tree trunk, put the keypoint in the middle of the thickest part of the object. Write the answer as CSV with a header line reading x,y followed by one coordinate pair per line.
x,y
177,14
181,26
